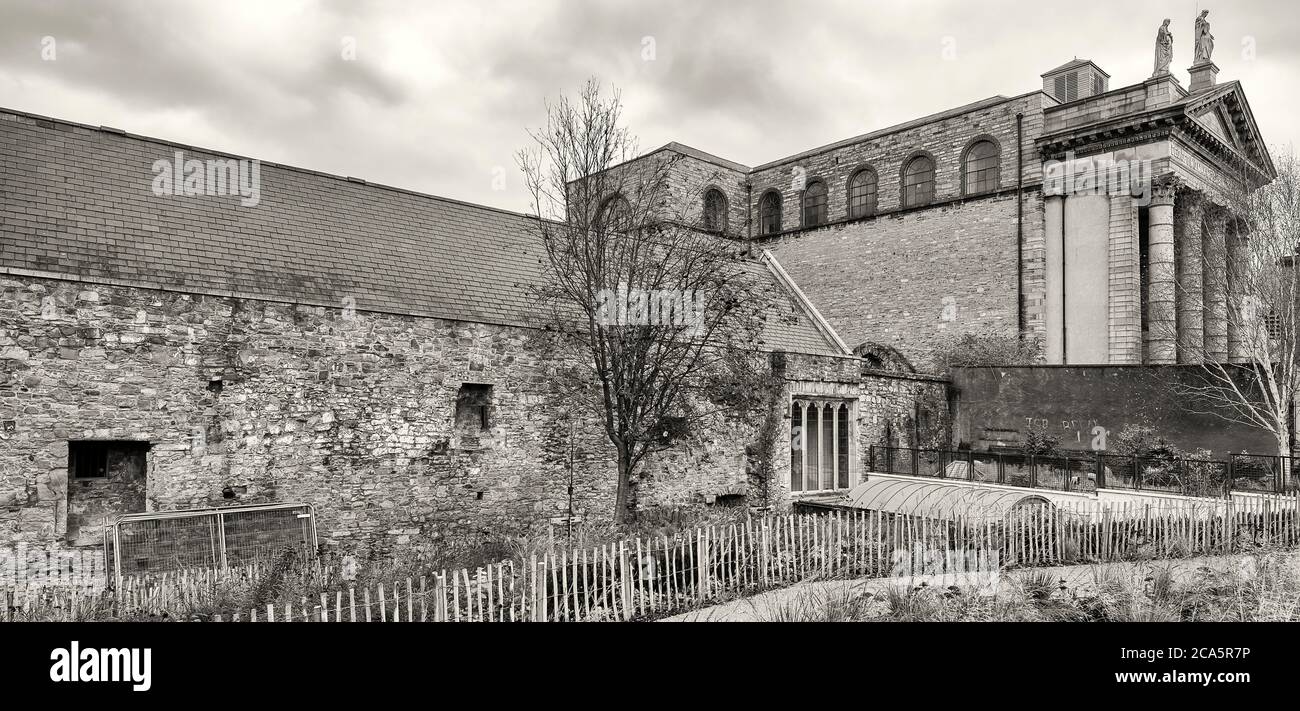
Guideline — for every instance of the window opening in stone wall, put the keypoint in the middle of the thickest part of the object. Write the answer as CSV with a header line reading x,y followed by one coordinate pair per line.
x,y
918,181
769,214
820,444
106,478
715,210
862,193
982,168
473,407
814,204
102,459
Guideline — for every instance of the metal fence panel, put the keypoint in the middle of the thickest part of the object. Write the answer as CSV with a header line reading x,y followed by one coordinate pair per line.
x,y
138,544
1087,472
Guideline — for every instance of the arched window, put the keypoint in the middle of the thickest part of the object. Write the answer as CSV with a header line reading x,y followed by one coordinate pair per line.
x,y
614,214
863,187
918,181
715,210
983,167
814,204
769,213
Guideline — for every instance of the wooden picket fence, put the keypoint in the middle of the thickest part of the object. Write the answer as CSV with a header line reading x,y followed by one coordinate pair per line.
x,y
645,578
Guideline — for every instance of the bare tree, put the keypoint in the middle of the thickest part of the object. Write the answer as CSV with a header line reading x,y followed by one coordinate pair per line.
x,y
1248,355
658,317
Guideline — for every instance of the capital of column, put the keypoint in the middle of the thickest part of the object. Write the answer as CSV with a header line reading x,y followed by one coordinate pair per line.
x,y
1215,215
1162,193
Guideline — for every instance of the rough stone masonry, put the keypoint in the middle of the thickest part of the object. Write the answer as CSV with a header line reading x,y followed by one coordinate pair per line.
x,y
359,348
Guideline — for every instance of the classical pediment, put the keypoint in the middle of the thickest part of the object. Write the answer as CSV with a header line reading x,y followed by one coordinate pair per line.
x,y
1221,118
1213,120
1216,123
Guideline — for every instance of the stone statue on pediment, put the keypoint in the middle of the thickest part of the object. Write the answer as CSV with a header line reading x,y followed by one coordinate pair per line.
x,y
1204,40
1164,49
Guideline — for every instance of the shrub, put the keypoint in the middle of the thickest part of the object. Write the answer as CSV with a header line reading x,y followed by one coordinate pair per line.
x,y
972,350
1041,443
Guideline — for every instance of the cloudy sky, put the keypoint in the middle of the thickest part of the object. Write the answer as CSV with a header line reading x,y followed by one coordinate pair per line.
x,y
437,95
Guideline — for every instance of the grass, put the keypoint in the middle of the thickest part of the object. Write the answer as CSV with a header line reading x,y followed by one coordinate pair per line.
x,y
289,578
1265,588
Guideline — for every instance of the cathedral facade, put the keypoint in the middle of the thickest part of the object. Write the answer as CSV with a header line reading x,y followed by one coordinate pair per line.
x,y
1086,217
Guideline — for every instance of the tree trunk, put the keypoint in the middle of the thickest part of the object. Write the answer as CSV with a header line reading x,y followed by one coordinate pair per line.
x,y
622,507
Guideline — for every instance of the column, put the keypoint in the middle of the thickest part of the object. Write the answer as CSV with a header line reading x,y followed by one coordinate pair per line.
x,y
1053,278
1237,256
1190,294
1162,321
1124,300
1216,284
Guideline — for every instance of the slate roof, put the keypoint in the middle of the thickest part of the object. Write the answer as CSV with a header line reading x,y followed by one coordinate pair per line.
x,y
77,202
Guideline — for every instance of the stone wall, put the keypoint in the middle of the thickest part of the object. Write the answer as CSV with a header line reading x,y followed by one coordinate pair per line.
x,y
891,409
353,412
944,138
915,279
1087,406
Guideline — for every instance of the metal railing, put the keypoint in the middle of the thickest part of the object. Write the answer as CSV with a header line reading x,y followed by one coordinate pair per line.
x,y
143,543
1089,471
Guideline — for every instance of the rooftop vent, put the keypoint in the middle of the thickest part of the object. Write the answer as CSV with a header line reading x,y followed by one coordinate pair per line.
x,y
1076,79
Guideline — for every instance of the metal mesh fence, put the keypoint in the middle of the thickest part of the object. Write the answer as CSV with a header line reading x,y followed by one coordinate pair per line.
x,y
1087,472
139,544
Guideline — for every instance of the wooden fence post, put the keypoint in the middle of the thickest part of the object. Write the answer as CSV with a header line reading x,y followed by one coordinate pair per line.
x,y
539,589
701,565
625,587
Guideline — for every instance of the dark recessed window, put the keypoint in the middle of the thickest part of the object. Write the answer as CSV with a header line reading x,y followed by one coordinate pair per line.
x,y
769,214
615,214
105,459
473,407
863,187
814,204
1273,324
983,167
918,181
715,210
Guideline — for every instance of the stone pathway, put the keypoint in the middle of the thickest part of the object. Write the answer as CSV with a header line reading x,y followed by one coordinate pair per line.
x,y
1082,578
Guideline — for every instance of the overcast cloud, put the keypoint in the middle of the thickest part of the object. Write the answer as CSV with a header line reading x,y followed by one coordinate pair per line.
x,y
440,94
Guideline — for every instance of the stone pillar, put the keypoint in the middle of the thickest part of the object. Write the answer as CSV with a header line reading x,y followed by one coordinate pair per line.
x,y
1204,75
1189,233
1125,284
1216,285
1053,278
1237,256
1162,322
